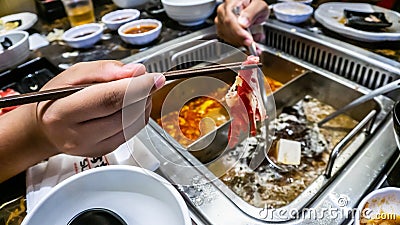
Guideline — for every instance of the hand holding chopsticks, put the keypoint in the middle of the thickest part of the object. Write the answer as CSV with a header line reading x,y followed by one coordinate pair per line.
x,y
88,124
53,94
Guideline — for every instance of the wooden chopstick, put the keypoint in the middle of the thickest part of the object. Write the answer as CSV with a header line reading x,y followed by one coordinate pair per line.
x,y
53,94
193,72
235,64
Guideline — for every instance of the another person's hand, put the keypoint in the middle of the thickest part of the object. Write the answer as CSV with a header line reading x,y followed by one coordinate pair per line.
x,y
231,27
86,123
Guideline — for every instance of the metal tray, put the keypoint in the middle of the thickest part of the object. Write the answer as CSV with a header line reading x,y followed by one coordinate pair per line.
x,y
29,76
334,91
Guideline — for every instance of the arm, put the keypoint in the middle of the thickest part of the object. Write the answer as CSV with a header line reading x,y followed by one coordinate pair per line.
x,y
86,123
232,28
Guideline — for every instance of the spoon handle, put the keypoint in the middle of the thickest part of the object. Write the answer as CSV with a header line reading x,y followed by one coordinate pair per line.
x,y
382,90
252,48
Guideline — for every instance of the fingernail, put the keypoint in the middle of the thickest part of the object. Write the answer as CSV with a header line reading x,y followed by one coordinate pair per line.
x,y
243,21
159,81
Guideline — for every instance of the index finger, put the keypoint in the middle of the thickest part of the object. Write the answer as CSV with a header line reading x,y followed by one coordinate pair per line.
x,y
104,99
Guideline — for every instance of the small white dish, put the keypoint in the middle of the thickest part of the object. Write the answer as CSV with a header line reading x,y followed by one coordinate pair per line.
x,y
83,36
27,20
330,15
379,203
17,53
115,19
308,2
292,12
140,38
130,3
189,13
138,196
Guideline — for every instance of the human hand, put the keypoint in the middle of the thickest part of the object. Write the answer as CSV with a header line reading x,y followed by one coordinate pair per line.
x,y
232,28
89,122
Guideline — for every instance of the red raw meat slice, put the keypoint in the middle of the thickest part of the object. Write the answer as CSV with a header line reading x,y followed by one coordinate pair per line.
x,y
245,103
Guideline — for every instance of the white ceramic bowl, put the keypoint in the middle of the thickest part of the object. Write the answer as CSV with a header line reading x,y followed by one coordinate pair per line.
x,y
130,3
141,38
115,19
308,2
292,12
189,13
17,53
83,36
381,202
136,195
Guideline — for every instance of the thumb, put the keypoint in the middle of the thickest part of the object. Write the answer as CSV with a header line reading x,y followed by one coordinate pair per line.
x,y
254,12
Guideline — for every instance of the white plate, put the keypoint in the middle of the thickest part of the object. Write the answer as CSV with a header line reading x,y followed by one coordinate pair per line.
x,y
138,196
329,14
27,20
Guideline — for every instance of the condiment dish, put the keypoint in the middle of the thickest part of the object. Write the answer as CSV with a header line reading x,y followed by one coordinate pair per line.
x,y
308,2
115,19
83,36
130,3
140,32
292,12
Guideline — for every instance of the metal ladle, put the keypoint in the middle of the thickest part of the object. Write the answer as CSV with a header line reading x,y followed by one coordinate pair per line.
x,y
379,91
97,216
262,149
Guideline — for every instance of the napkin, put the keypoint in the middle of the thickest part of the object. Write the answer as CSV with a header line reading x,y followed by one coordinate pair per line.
x,y
37,41
42,177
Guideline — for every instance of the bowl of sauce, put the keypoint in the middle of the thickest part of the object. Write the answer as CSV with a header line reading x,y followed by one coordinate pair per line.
x,y
115,19
83,36
140,29
380,207
140,32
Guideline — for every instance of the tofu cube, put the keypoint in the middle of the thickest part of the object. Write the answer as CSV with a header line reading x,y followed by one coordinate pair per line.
x,y
288,152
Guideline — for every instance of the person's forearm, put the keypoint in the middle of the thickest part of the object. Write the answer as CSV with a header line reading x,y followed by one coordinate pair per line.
x,y
21,145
